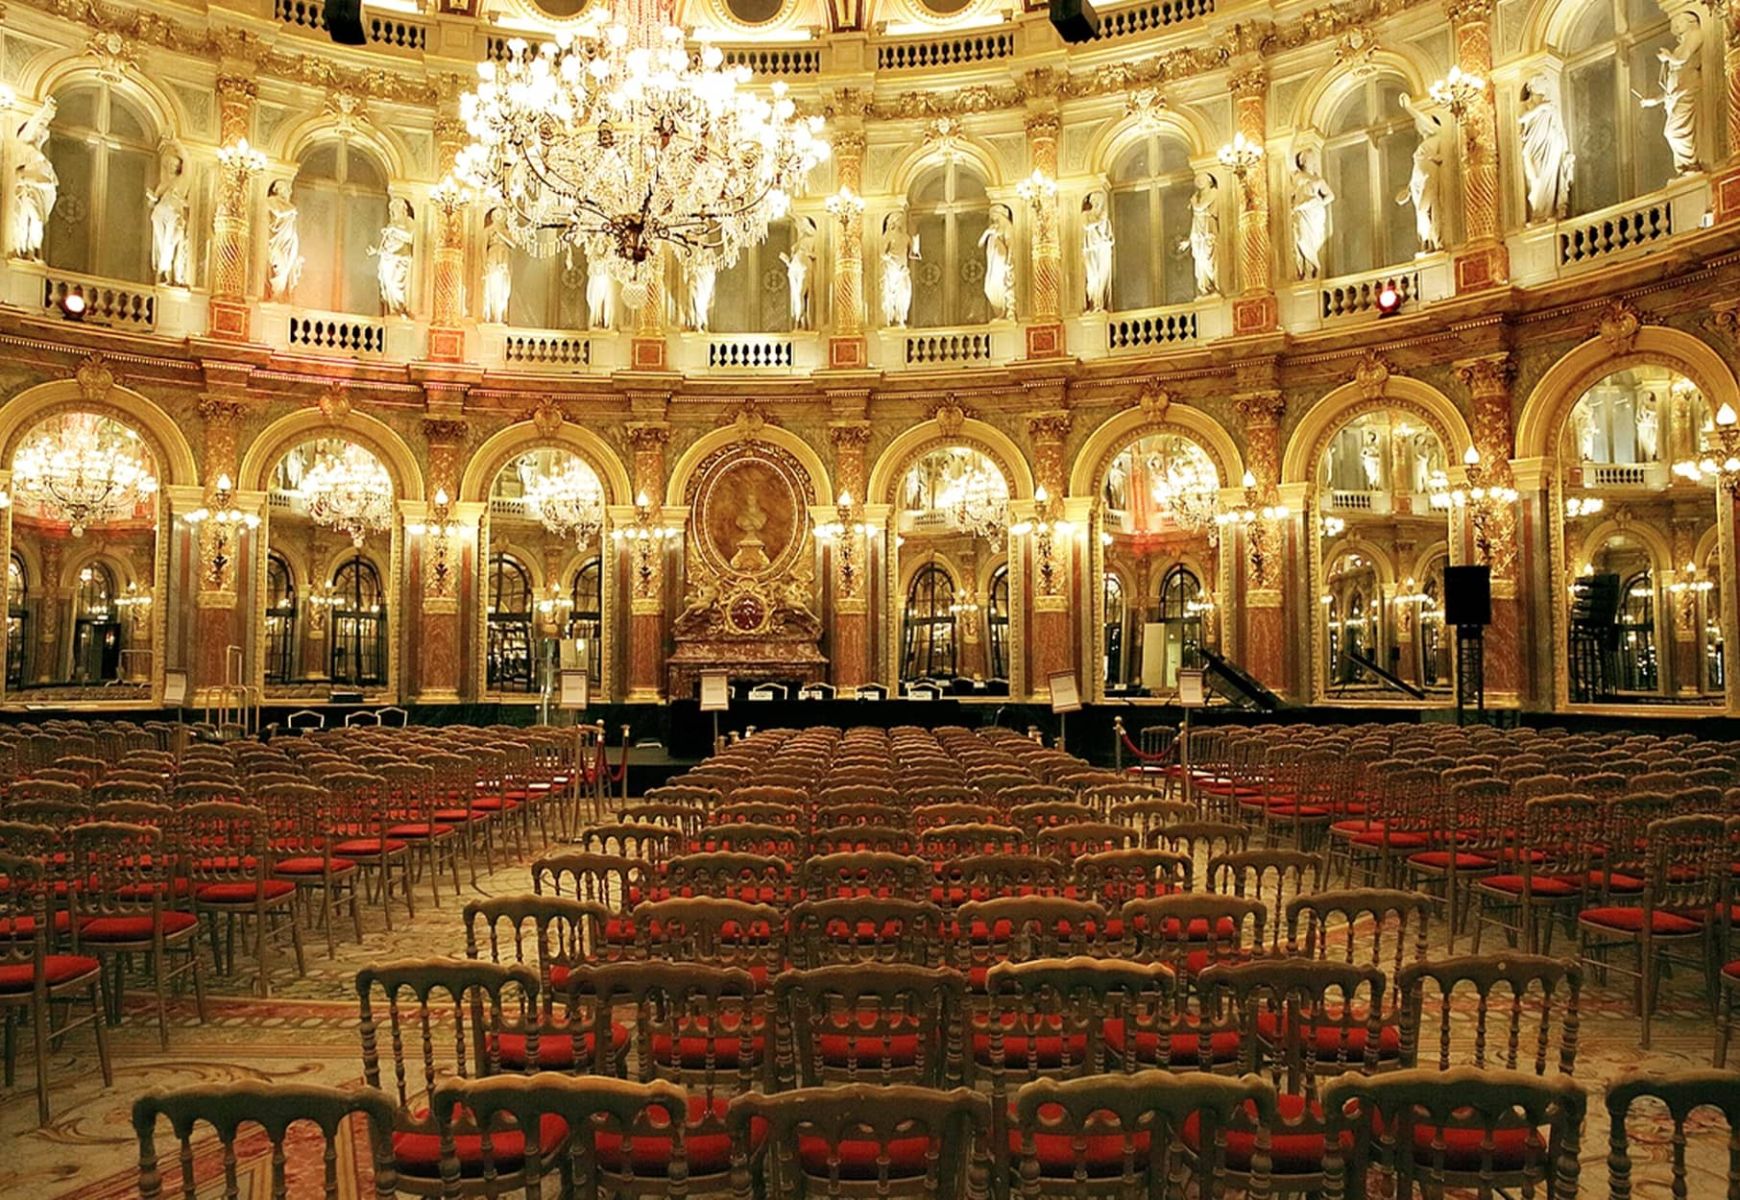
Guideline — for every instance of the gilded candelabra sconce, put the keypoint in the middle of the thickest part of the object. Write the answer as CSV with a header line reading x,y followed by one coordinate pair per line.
x,y
1718,462
1048,529
1458,91
844,533
645,538
220,527
440,529
1486,502
844,205
1241,156
1260,522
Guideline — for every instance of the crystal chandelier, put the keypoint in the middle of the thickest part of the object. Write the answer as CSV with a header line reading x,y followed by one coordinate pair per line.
x,y
627,141
1188,492
568,501
84,469
349,491
975,500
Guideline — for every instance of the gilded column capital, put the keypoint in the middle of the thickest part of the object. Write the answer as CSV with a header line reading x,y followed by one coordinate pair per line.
x,y
649,435
1043,123
1261,408
236,95
445,431
1467,12
1249,82
1487,374
1050,427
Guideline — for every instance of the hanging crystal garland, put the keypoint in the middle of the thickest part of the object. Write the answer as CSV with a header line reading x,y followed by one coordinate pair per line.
x,y
84,469
349,491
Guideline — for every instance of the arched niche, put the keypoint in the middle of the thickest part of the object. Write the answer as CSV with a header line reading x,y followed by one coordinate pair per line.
x,y
1640,667
998,446
521,437
707,444
379,438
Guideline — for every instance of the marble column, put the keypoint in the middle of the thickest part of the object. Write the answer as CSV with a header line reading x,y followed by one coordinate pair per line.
x,y
1683,605
851,558
50,609
440,563
220,547
646,574
1265,634
1482,260
1726,183
846,349
1488,382
1255,309
1052,579
1044,332
231,317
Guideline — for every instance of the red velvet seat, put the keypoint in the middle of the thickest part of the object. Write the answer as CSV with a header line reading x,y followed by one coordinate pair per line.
x,y
419,1154
368,847
707,1153
1395,839
1049,1049
25,926
726,1046
134,928
848,1049
1184,1046
1055,1151
1543,885
1440,860
1331,1038
58,969
1289,1153
418,829
311,865
555,1050
1630,920
1462,1146
243,893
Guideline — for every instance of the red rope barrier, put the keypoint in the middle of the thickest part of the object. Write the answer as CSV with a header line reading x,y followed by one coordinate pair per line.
x,y
617,772
1143,755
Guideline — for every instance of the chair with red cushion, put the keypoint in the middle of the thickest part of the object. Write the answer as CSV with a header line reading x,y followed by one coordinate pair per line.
x,y
1069,842
1545,874
1385,928
1144,813
1509,1011
553,934
603,879
1680,906
410,818
1033,816
1681,1092
866,930
1271,877
1162,1131
729,875
1191,932
592,1134
275,1108
864,873
131,900
649,844
841,816
453,792
984,933
1201,841
933,814
715,931
226,855
301,838
883,839
1302,796
762,812
442,1018
970,839
1110,877
358,819
1479,813
1428,1131
702,799
35,977
862,1140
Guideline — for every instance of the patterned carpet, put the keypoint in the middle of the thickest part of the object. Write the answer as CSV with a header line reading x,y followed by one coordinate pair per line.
x,y
307,1032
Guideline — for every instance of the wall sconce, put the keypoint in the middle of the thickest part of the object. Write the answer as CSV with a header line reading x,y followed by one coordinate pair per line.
x,y
1047,529
1458,92
644,538
1484,501
1258,520
440,531
1038,189
220,527
1719,463
844,205
844,532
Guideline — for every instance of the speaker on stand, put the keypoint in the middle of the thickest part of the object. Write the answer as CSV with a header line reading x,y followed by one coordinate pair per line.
x,y
1468,606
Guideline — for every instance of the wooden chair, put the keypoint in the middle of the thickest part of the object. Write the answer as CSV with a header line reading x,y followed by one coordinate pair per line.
x,y
991,876
864,873
879,1023
1031,817
552,934
276,1108
301,843
357,815
1384,928
835,816
1069,842
1205,840
1153,1134
1478,816
478,1005
866,930
1143,814
1533,1000
932,813
411,803
1682,1093
1111,877
605,879
1462,1128
883,839
714,931
1020,928
1271,877
756,812
862,1140
1192,932
650,844
730,875
1547,868
228,867
940,843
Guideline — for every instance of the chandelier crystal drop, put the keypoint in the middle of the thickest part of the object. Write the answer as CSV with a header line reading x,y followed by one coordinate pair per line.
x,y
568,501
627,141
349,491
84,469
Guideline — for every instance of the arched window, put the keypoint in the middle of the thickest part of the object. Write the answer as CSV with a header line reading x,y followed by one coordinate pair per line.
x,y
930,625
1710,622
104,149
1368,155
1181,619
510,625
948,211
549,290
1610,62
96,627
359,625
1637,659
997,621
341,195
17,620
586,616
280,620
1114,629
1151,189
752,295
1434,646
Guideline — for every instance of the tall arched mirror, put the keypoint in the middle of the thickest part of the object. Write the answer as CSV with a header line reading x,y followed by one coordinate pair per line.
x,y
331,506
1383,499
544,593
86,508
1637,504
951,556
1159,499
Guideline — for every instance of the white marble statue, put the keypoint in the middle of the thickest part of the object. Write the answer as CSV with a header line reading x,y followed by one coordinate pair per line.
x,y
35,186
1424,182
1546,152
1648,427
1371,461
1096,251
800,271
1681,81
1204,240
498,274
170,205
393,258
703,282
283,242
999,263
1310,205
600,298
897,251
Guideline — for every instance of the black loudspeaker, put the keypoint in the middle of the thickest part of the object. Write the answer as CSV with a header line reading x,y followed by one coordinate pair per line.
x,y
1468,595
1075,20
1595,600
344,22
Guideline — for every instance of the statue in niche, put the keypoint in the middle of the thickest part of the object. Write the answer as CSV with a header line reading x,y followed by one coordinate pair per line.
x,y
1424,182
283,242
1371,460
898,251
35,185
1425,461
750,553
800,271
1204,240
1681,81
1648,427
999,263
170,205
1583,426
1096,251
703,281
392,256
498,276
600,298
1311,200
1548,162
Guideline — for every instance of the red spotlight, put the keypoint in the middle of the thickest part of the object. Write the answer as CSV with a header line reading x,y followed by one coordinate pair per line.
x,y
1389,300
73,306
